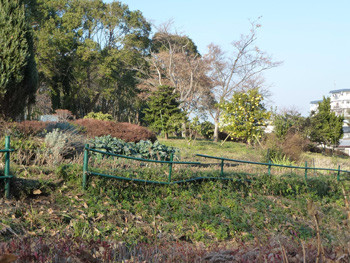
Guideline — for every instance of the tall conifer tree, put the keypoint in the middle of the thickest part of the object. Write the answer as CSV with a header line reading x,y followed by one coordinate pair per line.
x,y
163,113
18,75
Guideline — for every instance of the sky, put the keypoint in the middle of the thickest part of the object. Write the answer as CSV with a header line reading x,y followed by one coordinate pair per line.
x,y
312,38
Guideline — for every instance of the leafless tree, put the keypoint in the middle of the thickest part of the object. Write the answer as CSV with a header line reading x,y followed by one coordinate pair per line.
x,y
240,70
175,61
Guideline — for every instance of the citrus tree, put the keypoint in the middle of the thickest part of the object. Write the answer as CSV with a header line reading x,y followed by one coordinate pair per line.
x,y
244,116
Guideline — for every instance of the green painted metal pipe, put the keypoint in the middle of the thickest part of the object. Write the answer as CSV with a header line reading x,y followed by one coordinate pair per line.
x,y
140,159
6,177
6,150
338,174
222,168
269,168
7,166
170,166
85,166
127,179
305,170
272,164
165,183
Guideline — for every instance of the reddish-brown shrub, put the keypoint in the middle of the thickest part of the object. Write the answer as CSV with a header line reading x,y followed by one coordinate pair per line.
x,y
293,146
64,115
30,128
122,130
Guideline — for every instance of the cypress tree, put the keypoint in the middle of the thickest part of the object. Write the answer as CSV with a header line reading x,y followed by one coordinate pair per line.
x,y
18,75
163,112
326,127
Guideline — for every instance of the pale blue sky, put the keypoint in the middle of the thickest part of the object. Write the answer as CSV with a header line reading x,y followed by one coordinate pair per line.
x,y
312,38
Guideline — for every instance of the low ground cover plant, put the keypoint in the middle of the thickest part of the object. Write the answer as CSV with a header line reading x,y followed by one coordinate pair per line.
x,y
256,217
141,149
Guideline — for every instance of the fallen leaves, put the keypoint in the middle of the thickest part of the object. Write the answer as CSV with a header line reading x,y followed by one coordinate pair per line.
x,y
37,192
8,258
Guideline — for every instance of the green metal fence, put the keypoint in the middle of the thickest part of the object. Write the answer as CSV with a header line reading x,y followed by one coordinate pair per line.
x,y
269,165
87,172
7,175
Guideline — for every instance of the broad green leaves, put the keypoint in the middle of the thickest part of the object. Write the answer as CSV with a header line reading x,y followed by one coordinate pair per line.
x,y
244,116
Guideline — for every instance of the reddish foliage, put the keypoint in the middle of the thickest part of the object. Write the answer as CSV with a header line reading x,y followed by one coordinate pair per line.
x,y
122,130
30,128
64,115
67,249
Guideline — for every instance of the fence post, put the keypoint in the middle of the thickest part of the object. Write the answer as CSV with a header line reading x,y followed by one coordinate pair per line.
x,y
269,168
305,170
7,166
170,166
85,165
222,168
338,175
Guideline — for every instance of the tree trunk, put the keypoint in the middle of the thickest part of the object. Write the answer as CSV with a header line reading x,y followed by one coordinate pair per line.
x,y
216,131
183,132
166,135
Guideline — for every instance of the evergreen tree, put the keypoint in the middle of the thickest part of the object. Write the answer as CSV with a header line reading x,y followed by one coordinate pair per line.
x,y
18,75
244,116
326,126
163,113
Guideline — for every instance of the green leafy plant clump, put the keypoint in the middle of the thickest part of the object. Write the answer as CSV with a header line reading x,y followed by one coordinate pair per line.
x,y
99,116
142,149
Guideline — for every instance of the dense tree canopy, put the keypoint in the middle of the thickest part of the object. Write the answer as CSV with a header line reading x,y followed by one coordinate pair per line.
x,y
163,113
326,127
92,56
244,116
86,53
18,75
288,121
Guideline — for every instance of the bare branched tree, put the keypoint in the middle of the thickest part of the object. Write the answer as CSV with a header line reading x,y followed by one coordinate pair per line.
x,y
175,61
239,71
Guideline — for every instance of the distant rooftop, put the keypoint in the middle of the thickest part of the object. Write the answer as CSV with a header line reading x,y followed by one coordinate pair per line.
x,y
315,101
344,144
339,90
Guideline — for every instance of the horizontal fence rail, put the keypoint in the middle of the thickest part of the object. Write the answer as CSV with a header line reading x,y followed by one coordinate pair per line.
x,y
140,159
87,172
269,165
7,177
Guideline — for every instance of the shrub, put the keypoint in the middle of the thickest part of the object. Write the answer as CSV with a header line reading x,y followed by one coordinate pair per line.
x,y
223,135
289,149
63,144
99,116
142,149
64,115
121,130
207,129
62,126
29,128
294,145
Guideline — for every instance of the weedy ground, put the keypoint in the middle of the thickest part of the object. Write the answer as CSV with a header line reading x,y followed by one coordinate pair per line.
x,y
254,218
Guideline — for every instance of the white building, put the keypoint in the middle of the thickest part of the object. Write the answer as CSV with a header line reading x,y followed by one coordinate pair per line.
x,y
340,102
314,105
